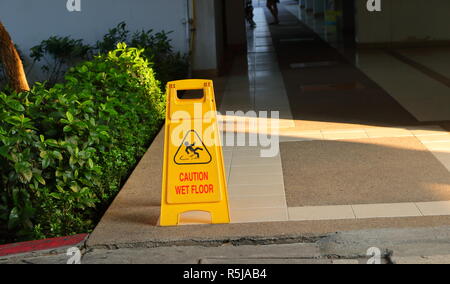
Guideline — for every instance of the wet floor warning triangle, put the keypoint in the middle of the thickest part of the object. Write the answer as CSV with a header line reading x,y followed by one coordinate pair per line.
x,y
192,151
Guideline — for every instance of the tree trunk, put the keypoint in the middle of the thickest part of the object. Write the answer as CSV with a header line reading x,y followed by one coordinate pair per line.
x,y
12,62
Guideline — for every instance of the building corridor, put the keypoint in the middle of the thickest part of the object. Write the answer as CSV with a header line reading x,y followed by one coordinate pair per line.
x,y
356,138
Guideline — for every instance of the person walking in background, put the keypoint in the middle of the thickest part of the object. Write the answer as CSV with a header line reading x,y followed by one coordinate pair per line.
x,y
273,8
249,13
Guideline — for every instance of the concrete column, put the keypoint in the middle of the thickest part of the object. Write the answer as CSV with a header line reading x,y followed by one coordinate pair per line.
x,y
236,37
302,4
309,5
205,50
319,8
219,24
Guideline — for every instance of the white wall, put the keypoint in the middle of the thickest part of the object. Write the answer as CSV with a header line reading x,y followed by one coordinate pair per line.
x,y
31,21
205,57
404,21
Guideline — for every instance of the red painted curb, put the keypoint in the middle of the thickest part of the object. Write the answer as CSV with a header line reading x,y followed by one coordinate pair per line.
x,y
47,244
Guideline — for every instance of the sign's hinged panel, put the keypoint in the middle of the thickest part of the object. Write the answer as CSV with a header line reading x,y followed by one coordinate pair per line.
x,y
193,173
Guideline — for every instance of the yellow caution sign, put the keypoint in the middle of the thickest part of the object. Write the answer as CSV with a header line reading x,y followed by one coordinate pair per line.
x,y
193,172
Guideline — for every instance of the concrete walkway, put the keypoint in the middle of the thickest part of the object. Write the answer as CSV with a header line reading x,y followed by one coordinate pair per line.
x,y
351,157
397,246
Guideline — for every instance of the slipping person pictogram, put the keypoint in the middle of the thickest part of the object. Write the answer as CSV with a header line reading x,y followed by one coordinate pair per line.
x,y
192,151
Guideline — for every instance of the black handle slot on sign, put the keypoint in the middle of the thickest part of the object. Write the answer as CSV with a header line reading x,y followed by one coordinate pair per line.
x,y
190,94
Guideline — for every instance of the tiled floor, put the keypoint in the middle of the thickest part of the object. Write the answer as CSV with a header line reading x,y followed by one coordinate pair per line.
x,y
369,211
434,138
256,184
424,97
435,58
425,134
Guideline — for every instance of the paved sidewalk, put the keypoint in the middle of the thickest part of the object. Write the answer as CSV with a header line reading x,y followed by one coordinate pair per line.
x,y
397,246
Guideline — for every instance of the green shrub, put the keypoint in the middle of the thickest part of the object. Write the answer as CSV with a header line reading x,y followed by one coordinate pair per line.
x,y
114,36
66,151
59,54
168,65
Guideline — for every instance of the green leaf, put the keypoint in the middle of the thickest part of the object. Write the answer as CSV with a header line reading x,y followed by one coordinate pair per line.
x,y
75,188
15,105
45,163
13,219
69,117
52,142
60,189
84,69
55,195
67,128
72,160
27,174
40,179
43,154
4,151
90,163
58,155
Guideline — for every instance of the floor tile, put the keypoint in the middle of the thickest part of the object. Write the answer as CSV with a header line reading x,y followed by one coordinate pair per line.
x,y
227,160
312,64
321,213
256,179
257,169
386,210
442,138
237,202
227,154
259,215
408,85
246,161
292,135
259,190
427,130
330,135
439,208
388,132
443,147
332,87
